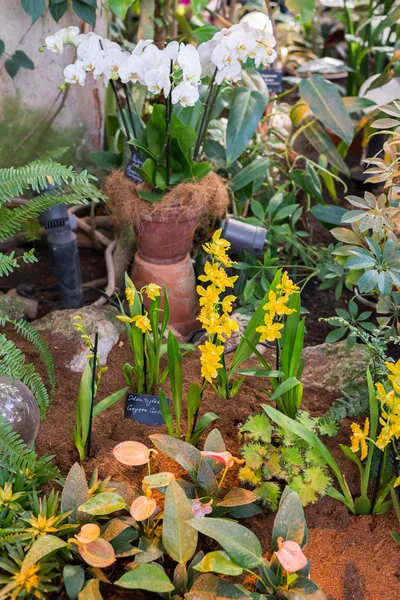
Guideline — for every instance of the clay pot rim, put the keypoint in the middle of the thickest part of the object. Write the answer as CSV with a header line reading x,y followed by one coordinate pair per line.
x,y
176,213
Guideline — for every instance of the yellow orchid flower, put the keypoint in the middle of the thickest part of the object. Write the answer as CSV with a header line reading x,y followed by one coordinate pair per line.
x,y
142,322
153,290
130,295
210,355
358,439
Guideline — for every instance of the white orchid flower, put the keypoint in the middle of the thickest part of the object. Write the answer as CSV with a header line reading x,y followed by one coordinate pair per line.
x,y
94,57
141,45
171,50
92,43
151,59
54,43
230,73
68,34
99,66
157,81
75,73
189,61
241,44
222,56
129,70
108,45
205,50
185,93
113,60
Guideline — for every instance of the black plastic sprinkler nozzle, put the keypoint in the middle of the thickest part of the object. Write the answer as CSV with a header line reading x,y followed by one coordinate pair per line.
x,y
63,250
243,236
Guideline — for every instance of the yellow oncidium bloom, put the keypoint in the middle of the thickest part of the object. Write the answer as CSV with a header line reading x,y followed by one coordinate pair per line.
x,y
153,290
358,439
277,305
286,286
218,276
270,331
226,303
210,356
142,322
130,295
208,296
218,248
395,377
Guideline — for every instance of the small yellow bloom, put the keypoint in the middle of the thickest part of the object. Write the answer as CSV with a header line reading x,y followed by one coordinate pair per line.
x,y
286,286
358,439
226,327
130,295
218,248
397,482
395,377
269,331
217,276
125,318
277,305
208,296
226,303
142,322
210,355
153,291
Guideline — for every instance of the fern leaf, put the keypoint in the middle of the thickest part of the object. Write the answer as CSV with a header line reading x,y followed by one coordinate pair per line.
x,y
11,445
12,364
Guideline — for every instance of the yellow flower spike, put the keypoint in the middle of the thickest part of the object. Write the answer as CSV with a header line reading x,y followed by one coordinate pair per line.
x,y
210,356
270,331
358,439
153,291
142,322
130,295
227,302
286,286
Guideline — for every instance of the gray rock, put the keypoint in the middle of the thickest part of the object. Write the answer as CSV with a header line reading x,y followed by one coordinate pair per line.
x,y
331,368
96,319
18,307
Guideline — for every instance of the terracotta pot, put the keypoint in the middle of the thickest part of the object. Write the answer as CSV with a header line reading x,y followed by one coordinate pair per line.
x,y
180,283
166,237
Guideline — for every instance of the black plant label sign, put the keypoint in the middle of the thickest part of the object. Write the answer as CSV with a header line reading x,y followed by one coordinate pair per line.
x,y
144,409
273,79
136,160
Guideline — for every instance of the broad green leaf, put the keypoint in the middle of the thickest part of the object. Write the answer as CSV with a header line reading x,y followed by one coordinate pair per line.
x,y
206,484
304,8
218,562
346,235
103,504
244,116
328,214
85,10
91,591
357,103
39,549
179,540
324,100
251,172
211,587
238,497
304,589
34,8
58,9
74,578
240,543
183,453
290,523
385,123
23,60
202,424
146,577
120,7
75,493
109,401
158,480
12,67
318,137
151,550
2,47
106,159
198,6
285,387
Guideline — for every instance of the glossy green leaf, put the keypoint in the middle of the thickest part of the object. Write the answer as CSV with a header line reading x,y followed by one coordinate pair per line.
x,y
218,562
179,540
328,214
74,578
304,589
290,523
146,577
91,591
326,103
109,401
58,9
211,587
103,504
120,7
245,114
75,493
183,453
357,103
23,60
318,137
39,549
2,47
240,543
85,10
238,497
34,8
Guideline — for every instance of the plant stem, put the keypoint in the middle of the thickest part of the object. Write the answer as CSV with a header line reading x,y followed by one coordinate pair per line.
x,y
128,104
202,122
89,441
377,481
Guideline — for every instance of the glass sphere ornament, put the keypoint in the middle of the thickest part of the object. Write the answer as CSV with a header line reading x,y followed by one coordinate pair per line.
x,y
19,407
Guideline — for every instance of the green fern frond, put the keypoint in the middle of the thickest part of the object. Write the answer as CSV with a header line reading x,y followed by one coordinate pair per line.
x,y
29,333
12,364
9,262
11,445
53,154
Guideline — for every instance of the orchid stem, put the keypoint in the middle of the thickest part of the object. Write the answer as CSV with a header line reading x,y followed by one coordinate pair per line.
x,y
202,122
128,105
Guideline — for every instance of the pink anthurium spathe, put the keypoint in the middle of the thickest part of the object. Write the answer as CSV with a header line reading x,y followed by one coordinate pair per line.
x,y
290,555
94,550
132,454
225,458
142,508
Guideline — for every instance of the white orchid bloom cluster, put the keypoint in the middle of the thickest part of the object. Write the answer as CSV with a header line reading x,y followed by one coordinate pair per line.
x,y
176,70
229,49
